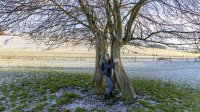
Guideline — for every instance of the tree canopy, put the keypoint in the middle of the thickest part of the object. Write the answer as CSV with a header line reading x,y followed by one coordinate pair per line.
x,y
157,21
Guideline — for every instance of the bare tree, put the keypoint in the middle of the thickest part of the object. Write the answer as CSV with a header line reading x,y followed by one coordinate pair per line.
x,y
105,22
1,31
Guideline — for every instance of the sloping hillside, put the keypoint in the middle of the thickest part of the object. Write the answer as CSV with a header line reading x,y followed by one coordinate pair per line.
x,y
19,44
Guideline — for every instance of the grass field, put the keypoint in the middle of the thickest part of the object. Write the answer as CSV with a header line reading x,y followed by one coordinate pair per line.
x,y
130,51
48,90
20,47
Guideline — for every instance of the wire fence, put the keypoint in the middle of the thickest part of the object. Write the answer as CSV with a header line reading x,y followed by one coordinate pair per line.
x,y
160,58
79,57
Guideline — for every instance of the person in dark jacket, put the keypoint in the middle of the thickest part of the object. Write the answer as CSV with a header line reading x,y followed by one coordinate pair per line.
x,y
106,68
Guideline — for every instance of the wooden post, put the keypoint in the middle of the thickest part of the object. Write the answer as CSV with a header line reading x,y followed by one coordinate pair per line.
x,y
135,59
153,58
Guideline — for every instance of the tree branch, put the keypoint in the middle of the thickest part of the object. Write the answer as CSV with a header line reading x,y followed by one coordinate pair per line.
x,y
134,13
68,14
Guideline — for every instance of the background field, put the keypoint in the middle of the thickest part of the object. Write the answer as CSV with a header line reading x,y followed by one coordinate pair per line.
x,y
16,47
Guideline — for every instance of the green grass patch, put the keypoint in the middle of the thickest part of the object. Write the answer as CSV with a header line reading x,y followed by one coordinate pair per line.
x,y
2,108
98,110
79,109
52,108
4,90
62,101
66,110
66,98
52,97
2,98
22,106
43,98
70,95
137,109
12,104
168,97
36,87
39,107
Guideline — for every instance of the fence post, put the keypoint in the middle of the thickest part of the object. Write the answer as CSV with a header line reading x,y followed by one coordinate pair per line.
x,y
153,58
135,59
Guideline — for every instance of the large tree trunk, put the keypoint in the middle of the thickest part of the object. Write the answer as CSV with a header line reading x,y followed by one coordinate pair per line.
x,y
101,49
124,83
115,83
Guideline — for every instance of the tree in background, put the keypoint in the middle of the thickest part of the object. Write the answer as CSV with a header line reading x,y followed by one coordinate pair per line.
x,y
104,23
2,31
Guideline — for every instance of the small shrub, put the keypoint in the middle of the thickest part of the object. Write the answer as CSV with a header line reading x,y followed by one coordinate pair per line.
x,y
162,58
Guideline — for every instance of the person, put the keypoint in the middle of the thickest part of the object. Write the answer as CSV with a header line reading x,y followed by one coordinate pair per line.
x,y
106,68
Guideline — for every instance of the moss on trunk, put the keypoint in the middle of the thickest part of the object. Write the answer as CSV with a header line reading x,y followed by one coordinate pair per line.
x,y
124,83
101,49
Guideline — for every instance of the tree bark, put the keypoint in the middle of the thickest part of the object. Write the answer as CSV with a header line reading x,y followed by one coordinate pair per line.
x,y
101,49
124,83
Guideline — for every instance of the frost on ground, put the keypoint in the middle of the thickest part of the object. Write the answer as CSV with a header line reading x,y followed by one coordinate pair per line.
x,y
178,72
50,91
44,91
182,73
91,101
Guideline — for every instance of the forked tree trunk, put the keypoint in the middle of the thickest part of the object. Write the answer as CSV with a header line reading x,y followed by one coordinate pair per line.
x,y
124,83
101,49
115,83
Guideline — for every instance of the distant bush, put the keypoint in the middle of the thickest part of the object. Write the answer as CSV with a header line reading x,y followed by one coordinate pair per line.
x,y
163,58
2,33
156,46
